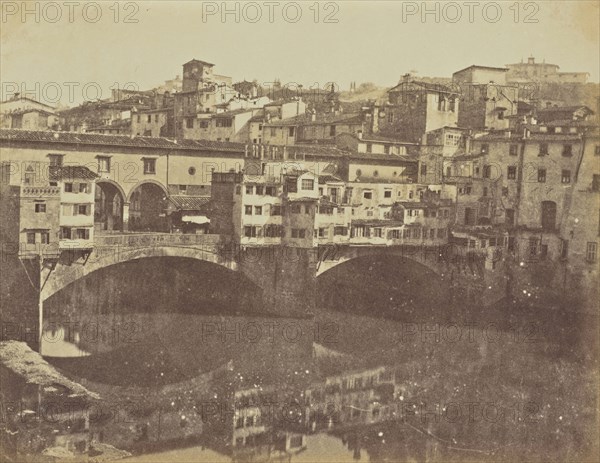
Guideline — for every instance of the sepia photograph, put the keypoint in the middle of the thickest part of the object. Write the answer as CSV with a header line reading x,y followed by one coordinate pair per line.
x,y
299,231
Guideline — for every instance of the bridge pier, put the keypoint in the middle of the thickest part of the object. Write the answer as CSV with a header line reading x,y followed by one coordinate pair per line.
x,y
286,276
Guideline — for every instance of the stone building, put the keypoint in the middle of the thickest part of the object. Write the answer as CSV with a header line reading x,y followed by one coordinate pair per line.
x,y
542,72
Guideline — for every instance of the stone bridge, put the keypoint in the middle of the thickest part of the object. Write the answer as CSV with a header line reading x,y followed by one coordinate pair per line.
x,y
286,275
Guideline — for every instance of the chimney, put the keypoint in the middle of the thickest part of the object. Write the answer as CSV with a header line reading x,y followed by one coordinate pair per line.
x,y
313,116
360,134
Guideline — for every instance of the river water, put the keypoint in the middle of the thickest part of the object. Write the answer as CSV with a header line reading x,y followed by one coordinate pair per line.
x,y
380,371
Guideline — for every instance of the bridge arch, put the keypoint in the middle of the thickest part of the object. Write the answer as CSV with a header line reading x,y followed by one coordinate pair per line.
x,y
68,271
148,205
109,205
149,181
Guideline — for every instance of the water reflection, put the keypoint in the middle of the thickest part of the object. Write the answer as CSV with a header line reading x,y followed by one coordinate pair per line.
x,y
213,388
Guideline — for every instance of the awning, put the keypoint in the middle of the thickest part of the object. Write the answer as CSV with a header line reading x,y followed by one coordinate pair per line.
x,y
197,219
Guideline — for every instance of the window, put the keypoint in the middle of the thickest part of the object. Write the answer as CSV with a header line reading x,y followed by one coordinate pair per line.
x,y
369,147
596,182
367,194
591,252
139,118
250,232
548,215
541,175
271,191
597,150
296,208
469,216
485,191
156,118
84,188
204,124
566,176
275,209
332,131
273,131
298,233
249,189
567,150
257,210
509,217
291,131
149,166
83,234
259,189
486,171
485,148
224,122
513,150
423,169
68,188
387,194
30,237
81,209
340,231
103,164
533,247
504,191
308,184
45,237
432,233
56,159
307,209
543,149
248,210
40,207
511,172
564,248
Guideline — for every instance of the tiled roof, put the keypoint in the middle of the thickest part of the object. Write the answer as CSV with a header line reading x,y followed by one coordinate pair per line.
x,y
425,85
554,109
189,203
199,61
21,98
329,178
302,199
325,118
377,222
17,135
30,110
71,172
476,66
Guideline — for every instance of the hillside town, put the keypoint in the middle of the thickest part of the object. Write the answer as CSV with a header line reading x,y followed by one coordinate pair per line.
x,y
481,178
475,162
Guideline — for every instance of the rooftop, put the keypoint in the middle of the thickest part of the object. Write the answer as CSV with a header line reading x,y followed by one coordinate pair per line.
x,y
476,66
323,118
189,203
430,87
71,172
94,139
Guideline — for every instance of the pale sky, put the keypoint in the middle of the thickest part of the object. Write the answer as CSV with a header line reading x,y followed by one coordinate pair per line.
x,y
374,41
